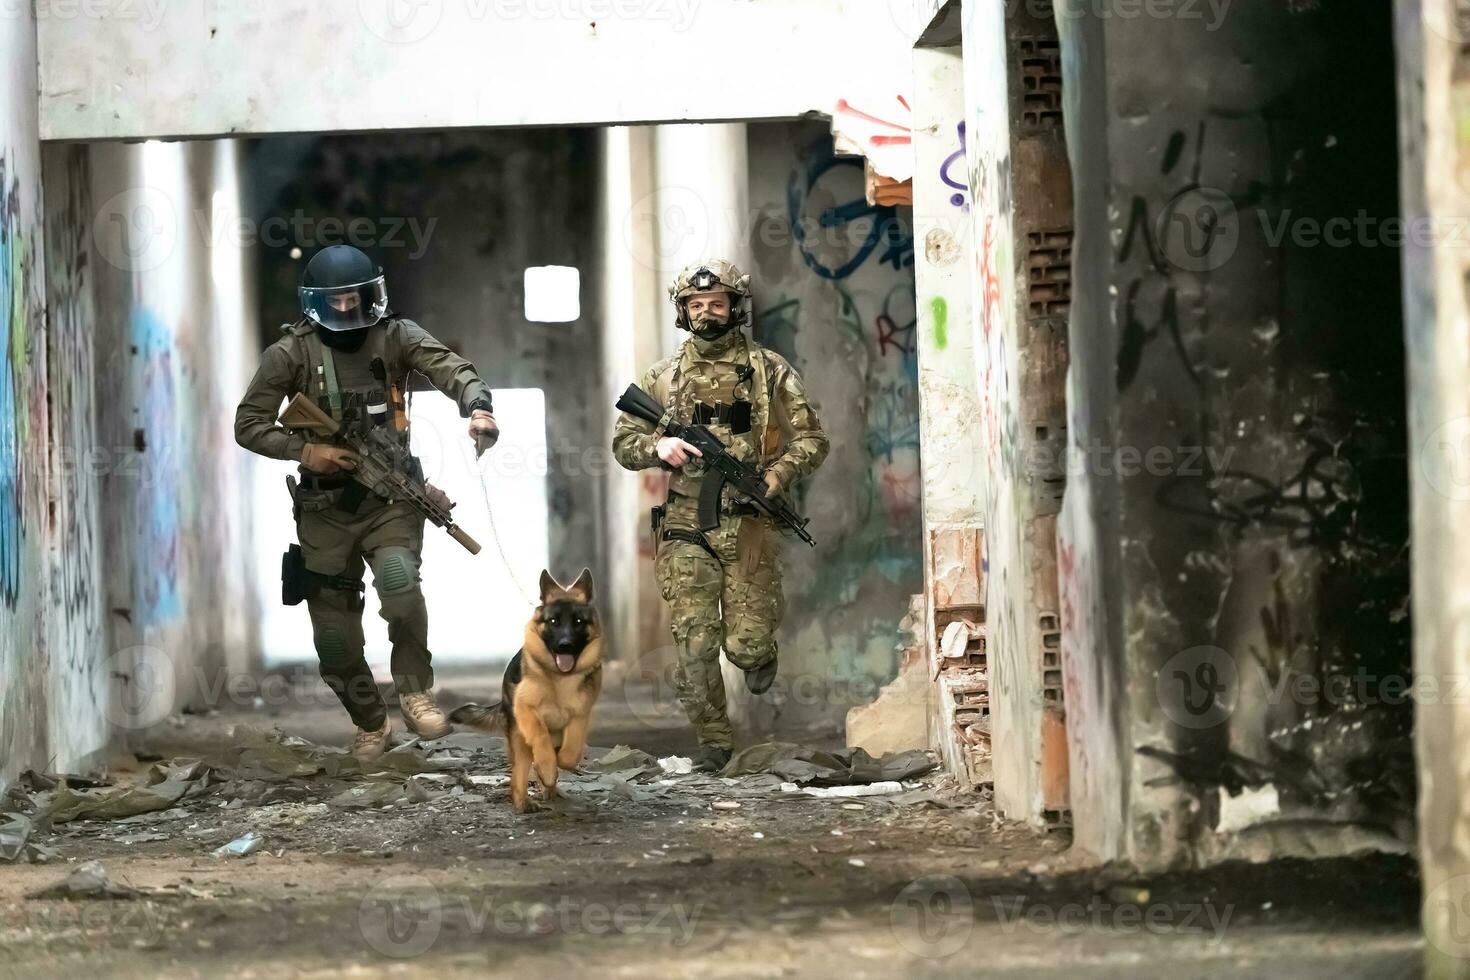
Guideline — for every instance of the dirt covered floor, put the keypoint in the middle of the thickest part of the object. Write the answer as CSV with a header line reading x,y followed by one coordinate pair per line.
x,y
420,868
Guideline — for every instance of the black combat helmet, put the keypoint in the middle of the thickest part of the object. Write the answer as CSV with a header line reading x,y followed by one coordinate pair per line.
x,y
341,289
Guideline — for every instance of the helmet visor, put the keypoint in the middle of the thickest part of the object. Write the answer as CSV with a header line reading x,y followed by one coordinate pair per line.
x,y
346,307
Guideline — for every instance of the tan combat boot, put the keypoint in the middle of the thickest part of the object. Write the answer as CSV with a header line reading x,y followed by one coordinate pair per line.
x,y
422,715
369,746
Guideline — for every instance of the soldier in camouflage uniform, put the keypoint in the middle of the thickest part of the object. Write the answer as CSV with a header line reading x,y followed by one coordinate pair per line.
x,y
724,586
353,356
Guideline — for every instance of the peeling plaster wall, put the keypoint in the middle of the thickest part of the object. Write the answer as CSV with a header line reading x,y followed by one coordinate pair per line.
x,y
168,366
833,280
1225,592
26,673
953,472
77,643
1012,656
122,511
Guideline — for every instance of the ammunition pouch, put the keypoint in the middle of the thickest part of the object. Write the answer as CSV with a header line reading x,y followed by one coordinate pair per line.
x,y
299,582
736,416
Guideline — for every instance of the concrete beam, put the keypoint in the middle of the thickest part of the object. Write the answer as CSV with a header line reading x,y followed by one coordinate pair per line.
x,y
174,68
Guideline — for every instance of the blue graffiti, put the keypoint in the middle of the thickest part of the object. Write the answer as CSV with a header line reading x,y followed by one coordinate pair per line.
x,y
835,228
13,326
155,584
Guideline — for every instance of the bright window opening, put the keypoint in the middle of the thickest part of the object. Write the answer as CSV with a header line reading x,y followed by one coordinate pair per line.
x,y
553,294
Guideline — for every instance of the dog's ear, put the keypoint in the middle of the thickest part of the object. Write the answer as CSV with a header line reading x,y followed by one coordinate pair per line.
x,y
548,584
583,585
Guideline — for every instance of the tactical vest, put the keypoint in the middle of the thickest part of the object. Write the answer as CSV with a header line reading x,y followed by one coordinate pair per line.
x,y
357,388
744,414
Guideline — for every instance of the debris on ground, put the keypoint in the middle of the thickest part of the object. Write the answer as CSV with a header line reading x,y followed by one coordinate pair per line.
x,y
90,881
247,843
16,845
802,764
887,787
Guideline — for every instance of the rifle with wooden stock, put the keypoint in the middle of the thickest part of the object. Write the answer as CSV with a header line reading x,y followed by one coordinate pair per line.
x,y
383,464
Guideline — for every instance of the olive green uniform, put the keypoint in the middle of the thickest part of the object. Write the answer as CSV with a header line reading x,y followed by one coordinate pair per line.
x,y
336,541
729,594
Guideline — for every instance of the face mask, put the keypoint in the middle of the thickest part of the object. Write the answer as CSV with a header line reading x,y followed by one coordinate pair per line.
x,y
709,327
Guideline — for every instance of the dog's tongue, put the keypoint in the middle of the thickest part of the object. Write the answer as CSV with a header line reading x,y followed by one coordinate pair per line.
x,y
565,662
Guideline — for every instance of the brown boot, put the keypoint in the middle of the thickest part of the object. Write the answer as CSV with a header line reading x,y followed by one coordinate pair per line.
x,y
422,715
369,746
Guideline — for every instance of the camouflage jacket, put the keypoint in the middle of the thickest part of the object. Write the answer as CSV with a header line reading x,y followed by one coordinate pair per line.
x,y
783,435
298,362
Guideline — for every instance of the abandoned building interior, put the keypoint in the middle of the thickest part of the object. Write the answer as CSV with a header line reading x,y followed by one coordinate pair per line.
x,y
1139,329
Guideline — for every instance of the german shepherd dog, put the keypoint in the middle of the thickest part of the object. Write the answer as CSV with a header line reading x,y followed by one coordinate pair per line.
x,y
549,689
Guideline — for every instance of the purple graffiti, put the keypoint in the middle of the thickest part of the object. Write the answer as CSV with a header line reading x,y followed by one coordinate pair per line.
x,y
957,199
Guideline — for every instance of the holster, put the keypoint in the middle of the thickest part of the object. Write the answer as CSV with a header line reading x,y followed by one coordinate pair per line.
x,y
299,582
656,521
750,542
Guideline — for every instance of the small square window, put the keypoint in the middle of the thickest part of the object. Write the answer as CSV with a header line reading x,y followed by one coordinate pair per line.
x,y
553,294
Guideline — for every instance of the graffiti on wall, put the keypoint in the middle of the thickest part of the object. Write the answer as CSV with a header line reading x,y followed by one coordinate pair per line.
x,y
22,385
157,558
957,183
842,310
882,132
835,228
76,586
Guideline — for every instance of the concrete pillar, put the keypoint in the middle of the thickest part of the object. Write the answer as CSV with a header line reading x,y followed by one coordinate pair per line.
x,y
949,416
1234,537
1435,155
632,339
1022,233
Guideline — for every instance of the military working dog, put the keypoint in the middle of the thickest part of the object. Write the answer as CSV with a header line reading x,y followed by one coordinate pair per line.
x,y
549,689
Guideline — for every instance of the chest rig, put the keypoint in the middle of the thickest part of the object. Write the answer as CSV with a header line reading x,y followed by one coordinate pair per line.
x,y
733,397
730,396
362,389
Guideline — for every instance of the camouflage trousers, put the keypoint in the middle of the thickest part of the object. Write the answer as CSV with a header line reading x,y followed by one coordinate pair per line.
x,y
389,537
718,604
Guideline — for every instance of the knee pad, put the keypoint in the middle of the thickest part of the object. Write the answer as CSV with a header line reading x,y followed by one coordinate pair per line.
x,y
748,652
395,571
331,645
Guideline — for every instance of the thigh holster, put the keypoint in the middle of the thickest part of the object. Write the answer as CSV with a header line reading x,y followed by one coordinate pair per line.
x,y
299,582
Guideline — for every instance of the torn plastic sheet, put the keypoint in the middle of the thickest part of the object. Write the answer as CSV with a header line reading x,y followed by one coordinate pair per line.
x,y
800,764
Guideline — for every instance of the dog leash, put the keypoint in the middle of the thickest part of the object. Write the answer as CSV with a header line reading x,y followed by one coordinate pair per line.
x,y
495,534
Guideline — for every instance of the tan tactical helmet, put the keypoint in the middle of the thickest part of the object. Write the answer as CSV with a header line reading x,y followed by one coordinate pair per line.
x,y
708,276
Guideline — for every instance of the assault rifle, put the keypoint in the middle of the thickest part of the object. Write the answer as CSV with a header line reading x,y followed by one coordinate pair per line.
x,y
382,464
722,468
